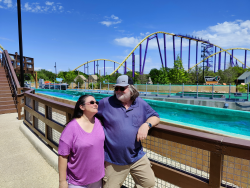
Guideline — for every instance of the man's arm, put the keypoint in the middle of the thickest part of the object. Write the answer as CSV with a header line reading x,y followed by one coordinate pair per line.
x,y
143,130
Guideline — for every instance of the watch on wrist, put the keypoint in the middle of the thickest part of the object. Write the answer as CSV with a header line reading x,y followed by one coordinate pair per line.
x,y
149,124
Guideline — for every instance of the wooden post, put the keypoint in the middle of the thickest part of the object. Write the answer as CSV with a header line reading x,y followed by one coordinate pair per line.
x,y
33,108
215,174
46,116
36,80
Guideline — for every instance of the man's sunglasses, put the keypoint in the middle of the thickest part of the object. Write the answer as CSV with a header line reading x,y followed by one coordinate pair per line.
x,y
121,88
93,102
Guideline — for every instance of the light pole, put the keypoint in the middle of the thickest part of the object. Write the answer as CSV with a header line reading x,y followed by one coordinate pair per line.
x,y
20,41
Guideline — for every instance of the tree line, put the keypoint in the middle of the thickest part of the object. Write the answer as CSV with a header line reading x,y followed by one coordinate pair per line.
x,y
175,75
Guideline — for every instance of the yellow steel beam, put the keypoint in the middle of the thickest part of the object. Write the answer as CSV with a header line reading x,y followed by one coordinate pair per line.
x,y
2,47
137,46
224,50
100,60
167,34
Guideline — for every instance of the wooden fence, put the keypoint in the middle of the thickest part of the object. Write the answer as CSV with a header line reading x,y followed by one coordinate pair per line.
x,y
181,157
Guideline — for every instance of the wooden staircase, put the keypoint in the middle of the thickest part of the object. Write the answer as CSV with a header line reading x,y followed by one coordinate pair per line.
x,y
7,101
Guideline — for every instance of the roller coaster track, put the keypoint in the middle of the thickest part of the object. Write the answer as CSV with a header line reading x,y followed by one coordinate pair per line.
x,y
190,38
2,47
100,60
224,50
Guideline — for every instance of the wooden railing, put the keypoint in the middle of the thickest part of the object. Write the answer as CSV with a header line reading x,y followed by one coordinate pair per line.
x,y
220,149
28,63
226,161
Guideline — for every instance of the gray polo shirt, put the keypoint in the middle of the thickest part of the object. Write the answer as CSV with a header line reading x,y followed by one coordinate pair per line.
x,y
121,127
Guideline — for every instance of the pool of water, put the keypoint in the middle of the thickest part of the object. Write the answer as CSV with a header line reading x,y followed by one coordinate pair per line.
x,y
223,121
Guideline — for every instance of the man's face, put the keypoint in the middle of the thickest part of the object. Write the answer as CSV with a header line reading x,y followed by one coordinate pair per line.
x,y
122,93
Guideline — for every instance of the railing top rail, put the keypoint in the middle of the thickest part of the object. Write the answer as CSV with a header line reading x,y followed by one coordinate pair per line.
x,y
208,137
12,69
235,147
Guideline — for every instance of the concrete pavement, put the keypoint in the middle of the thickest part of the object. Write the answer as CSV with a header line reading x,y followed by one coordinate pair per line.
x,y
21,165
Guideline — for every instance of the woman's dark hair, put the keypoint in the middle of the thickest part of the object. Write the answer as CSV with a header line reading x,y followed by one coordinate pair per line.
x,y
77,111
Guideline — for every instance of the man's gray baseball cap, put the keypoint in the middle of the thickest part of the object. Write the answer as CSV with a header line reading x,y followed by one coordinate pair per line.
x,y
124,80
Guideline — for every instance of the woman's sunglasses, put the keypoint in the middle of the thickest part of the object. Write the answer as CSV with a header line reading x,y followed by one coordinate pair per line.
x,y
121,88
93,102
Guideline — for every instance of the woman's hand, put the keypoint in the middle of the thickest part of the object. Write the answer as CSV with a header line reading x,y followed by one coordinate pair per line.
x,y
63,184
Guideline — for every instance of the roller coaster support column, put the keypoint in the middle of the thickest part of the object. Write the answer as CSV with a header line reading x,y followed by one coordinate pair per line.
x,y
97,67
174,47
232,63
189,53
159,50
133,64
145,56
225,61
114,68
196,61
140,61
94,67
84,68
165,54
215,60
125,68
104,68
181,50
219,60
245,66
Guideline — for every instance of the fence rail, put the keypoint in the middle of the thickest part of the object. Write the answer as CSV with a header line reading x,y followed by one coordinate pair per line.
x,y
181,157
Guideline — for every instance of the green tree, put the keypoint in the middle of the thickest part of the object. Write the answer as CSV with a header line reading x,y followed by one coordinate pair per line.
x,y
159,76
178,74
80,81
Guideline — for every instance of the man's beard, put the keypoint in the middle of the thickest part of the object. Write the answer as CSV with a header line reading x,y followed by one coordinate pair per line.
x,y
123,97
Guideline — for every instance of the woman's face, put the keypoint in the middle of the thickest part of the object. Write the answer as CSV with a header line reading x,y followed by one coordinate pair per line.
x,y
88,107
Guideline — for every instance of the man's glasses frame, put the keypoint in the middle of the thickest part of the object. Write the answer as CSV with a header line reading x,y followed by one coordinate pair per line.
x,y
121,88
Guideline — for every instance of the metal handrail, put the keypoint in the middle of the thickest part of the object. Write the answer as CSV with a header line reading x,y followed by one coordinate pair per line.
x,y
12,75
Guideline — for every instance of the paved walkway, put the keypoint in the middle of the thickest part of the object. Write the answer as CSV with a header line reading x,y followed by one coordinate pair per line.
x,y
21,165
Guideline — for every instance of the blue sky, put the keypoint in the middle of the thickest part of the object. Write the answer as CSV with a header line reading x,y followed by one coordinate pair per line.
x,y
73,32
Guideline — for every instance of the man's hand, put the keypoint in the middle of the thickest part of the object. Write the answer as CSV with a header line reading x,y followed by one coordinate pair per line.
x,y
142,132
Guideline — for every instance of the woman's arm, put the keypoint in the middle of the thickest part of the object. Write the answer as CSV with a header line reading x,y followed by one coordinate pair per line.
x,y
62,168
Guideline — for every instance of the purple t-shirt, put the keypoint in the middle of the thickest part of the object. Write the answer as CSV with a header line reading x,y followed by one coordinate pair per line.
x,y
86,153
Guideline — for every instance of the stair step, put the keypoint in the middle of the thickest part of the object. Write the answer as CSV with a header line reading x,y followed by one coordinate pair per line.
x,y
11,110
6,107
7,91
4,84
5,95
11,102
6,99
2,80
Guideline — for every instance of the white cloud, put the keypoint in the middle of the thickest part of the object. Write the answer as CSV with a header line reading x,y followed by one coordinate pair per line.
x,y
114,17
107,23
27,7
111,20
37,68
36,7
8,3
127,41
49,3
228,34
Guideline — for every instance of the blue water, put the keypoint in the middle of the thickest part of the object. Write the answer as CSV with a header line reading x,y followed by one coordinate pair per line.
x,y
224,121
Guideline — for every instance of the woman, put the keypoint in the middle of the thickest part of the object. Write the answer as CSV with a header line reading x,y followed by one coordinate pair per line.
x,y
81,148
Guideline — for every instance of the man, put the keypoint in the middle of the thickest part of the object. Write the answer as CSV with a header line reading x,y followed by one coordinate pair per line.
x,y
126,119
